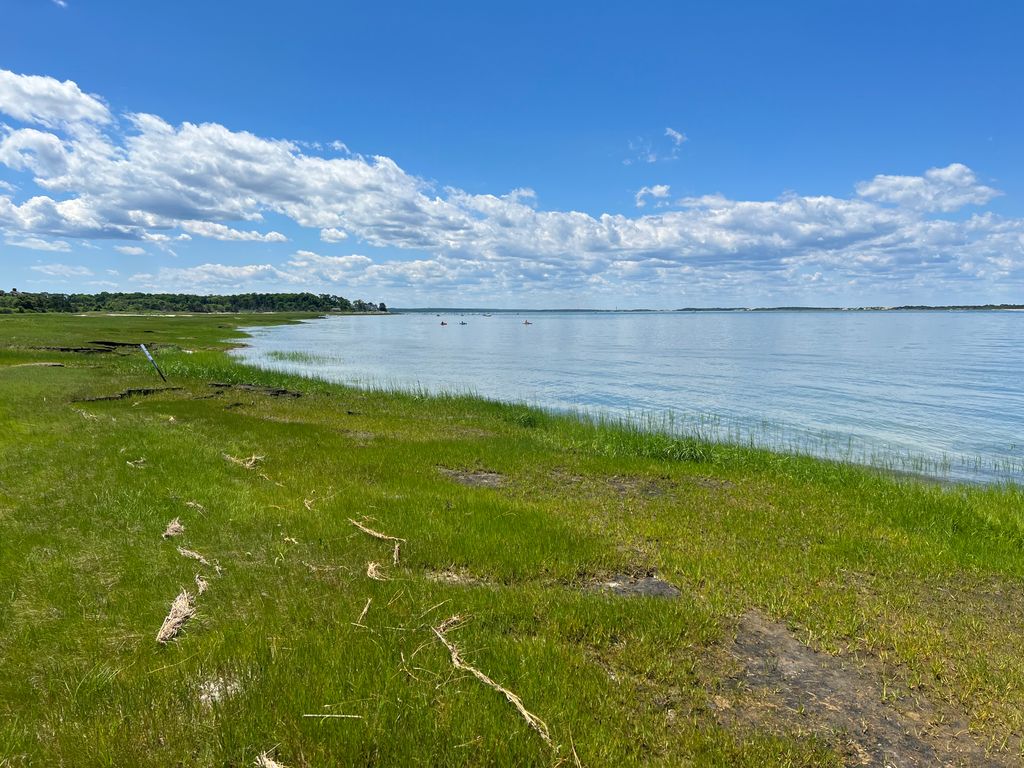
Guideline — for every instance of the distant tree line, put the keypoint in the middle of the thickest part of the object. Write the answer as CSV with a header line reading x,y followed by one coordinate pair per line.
x,y
19,301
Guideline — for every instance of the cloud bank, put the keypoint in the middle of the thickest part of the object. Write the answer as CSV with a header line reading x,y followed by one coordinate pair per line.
x,y
136,178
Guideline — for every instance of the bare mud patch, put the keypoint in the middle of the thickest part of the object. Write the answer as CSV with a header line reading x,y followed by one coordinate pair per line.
x,y
472,433
130,393
711,483
631,585
269,391
474,478
648,488
76,350
118,344
624,486
841,699
358,436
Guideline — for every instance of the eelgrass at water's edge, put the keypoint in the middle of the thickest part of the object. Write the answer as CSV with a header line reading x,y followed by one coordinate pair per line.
x,y
826,614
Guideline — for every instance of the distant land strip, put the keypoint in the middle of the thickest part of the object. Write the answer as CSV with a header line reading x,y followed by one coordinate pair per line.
x,y
19,301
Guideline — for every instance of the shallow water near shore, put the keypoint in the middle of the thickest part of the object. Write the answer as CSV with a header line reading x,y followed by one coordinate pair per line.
x,y
934,393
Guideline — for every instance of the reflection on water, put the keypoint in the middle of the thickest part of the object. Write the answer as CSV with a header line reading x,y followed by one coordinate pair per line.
x,y
937,392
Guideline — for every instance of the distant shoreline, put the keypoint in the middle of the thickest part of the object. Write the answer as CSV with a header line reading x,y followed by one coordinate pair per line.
x,y
904,308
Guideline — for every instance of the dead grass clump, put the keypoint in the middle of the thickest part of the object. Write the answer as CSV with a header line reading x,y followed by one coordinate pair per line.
x,y
264,760
250,463
217,689
138,463
374,572
459,663
201,584
174,528
182,609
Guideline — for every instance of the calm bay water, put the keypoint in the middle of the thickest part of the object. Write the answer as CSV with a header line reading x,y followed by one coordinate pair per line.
x,y
934,392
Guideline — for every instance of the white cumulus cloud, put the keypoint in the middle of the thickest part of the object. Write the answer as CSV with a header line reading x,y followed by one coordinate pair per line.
x,y
222,232
333,235
677,136
939,189
658,191
62,270
48,102
38,244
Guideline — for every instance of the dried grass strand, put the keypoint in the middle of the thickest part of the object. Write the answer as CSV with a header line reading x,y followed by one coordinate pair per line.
x,y
459,663
192,555
249,463
396,553
366,609
337,717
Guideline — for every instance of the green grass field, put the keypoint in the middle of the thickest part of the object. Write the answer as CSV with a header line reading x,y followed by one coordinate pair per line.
x,y
823,610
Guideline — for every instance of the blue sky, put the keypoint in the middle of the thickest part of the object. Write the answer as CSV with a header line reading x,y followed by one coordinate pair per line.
x,y
619,155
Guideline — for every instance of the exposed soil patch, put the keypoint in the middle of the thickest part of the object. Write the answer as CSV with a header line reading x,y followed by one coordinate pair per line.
x,y
712,483
36,365
78,350
475,478
627,585
359,436
639,486
458,576
270,391
115,344
623,485
139,392
841,699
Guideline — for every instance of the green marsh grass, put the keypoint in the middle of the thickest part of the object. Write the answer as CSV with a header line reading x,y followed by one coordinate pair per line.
x,y
925,579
